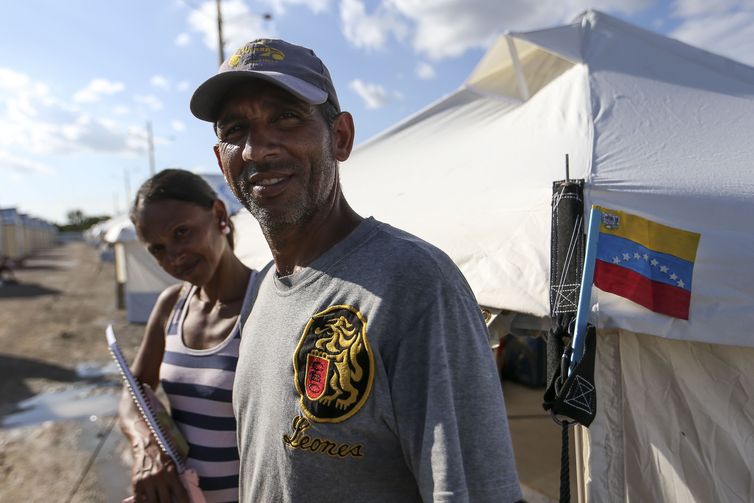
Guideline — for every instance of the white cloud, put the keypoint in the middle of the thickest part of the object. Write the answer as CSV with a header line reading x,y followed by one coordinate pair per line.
x,y
374,95
96,89
34,122
11,80
149,100
183,85
105,136
369,31
316,6
721,27
121,110
424,70
178,126
438,29
447,28
16,164
239,23
160,81
182,40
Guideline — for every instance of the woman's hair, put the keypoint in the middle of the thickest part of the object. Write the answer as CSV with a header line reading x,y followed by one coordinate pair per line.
x,y
177,185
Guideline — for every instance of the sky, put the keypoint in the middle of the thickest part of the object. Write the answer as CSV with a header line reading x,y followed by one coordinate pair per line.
x,y
82,81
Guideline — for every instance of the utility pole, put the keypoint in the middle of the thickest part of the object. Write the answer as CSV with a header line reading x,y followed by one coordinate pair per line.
x,y
127,180
220,43
150,148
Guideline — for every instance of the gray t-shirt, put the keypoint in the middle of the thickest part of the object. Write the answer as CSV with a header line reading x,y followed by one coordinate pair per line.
x,y
368,377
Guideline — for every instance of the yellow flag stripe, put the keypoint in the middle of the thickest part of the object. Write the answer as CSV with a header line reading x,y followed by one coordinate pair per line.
x,y
658,237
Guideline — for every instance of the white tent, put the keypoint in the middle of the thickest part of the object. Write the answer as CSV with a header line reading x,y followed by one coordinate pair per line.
x,y
139,279
656,128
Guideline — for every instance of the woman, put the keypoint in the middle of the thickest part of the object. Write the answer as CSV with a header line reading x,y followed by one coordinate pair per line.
x,y
191,341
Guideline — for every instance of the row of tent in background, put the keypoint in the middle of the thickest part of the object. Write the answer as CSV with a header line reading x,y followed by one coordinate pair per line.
x,y
21,235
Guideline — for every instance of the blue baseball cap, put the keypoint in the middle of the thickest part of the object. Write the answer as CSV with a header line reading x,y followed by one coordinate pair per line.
x,y
292,67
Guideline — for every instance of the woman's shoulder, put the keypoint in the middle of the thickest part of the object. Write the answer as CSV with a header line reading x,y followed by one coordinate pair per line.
x,y
167,300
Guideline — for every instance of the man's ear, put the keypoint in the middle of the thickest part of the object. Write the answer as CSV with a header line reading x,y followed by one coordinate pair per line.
x,y
216,148
343,132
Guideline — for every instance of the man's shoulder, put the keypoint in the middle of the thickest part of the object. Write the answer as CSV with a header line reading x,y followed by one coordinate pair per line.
x,y
405,259
403,249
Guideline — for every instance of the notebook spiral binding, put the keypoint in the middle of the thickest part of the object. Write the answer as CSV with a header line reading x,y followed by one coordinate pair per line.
x,y
145,407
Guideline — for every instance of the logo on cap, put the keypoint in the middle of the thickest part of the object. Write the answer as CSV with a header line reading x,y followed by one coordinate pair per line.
x,y
254,53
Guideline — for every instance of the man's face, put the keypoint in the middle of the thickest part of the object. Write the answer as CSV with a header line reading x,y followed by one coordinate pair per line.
x,y
277,155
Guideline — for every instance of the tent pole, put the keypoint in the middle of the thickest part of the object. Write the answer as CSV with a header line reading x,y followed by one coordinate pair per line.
x,y
520,79
578,441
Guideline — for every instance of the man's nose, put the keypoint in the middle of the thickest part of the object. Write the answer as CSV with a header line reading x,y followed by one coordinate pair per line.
x,y
259,145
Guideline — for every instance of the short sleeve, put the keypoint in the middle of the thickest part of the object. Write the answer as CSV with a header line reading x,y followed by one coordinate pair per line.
x,y
448,404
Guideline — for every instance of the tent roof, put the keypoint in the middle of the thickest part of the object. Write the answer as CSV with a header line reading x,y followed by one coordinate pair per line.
x,y
655,127
118,229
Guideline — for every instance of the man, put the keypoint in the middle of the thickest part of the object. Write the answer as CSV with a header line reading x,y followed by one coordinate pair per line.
x,y
364,371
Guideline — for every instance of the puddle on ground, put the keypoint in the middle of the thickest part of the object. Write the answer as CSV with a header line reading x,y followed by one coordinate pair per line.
x,y
74,403
97,396
94,370
93,402
101,438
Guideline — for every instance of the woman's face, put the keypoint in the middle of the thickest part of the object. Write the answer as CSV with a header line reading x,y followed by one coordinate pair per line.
x,y
185,238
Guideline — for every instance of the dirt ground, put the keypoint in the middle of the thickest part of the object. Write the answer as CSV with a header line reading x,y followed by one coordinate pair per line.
x,y
52,321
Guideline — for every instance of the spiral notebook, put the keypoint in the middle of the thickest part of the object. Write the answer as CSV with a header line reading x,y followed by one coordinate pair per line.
x,y
157,418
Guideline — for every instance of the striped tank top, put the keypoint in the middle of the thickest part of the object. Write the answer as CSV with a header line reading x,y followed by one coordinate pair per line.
x,y
199,384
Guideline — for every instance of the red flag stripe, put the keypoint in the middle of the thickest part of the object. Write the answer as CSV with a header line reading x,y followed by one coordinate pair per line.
x,y
655,296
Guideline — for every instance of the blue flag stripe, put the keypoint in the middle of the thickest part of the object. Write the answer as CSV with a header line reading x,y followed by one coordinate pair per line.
x,y
654,265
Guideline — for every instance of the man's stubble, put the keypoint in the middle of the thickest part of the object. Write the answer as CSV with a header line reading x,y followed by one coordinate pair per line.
x,y
275,222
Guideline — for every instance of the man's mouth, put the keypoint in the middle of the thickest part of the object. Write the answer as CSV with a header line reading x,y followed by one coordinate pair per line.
x,y
270,181
266,186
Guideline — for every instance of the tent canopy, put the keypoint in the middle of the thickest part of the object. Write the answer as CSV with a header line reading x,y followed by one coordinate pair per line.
x,y
655,127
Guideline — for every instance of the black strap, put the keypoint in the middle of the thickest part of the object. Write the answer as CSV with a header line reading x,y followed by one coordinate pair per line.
x,y
570,396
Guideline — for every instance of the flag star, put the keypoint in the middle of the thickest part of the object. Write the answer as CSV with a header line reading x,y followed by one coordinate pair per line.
x,y
663,268
645,257
616,260
637,256
626,256
653,262
681,283
673,277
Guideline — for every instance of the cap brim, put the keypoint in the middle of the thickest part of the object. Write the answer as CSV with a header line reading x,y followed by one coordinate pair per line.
x,y
205,103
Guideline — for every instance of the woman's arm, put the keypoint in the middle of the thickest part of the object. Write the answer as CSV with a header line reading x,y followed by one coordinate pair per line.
x,y
153,478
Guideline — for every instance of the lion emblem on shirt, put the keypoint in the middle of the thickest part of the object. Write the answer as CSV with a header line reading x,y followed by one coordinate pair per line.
x,y
334,365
